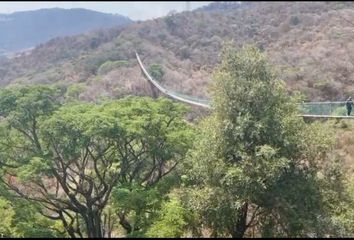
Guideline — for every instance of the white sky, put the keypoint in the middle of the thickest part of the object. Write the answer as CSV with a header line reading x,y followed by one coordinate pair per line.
x,y
133,10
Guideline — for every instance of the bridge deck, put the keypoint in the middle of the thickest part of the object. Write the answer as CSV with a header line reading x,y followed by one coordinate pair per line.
x,y
204,104
165,91
327,116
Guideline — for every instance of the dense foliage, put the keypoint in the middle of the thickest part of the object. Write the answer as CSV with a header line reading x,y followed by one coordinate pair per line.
x,y
73,160
265,173
136,167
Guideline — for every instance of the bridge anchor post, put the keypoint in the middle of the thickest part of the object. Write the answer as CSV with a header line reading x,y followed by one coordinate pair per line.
x,y
153,89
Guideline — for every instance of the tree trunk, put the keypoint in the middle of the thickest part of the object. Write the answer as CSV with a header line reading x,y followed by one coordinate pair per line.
x,y
93,223
240,226
97,224
154,92
124,223
108,223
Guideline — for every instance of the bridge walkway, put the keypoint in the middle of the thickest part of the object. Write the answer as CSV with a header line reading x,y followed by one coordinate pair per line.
x,y
322,110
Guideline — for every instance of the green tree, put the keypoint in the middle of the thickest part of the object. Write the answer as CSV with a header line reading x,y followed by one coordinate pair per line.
x,y
171,221
74,90
6,214
256,164
111,65
29,223
156,71
69,159
19,218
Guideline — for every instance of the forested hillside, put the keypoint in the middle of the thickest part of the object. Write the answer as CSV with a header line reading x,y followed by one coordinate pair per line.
x,y
310,42
82,155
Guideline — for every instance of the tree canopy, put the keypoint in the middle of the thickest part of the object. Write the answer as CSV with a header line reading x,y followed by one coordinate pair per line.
x,y
70,158
137,167
261,170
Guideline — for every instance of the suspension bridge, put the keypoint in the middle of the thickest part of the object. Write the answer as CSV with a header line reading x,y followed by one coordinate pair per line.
x,y
326,110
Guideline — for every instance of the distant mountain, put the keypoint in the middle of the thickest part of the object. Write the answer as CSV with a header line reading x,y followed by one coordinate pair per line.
x,y
22,30
222,6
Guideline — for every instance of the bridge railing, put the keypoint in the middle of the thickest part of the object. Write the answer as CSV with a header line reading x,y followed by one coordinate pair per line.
x,y
324,108
168,92
308,109
195,99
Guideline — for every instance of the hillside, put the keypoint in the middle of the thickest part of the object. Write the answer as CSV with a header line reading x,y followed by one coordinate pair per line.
x,y
222,6
21,30
309,42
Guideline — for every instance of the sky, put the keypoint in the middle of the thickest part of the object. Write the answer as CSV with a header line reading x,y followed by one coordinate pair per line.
x,y
133,10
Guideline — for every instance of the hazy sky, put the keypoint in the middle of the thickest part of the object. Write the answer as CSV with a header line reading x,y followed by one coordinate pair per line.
x,y
133,10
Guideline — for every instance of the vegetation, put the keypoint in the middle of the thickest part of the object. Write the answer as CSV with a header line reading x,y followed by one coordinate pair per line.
x,y
261,171
135,167
81,157
310,42
109,66
68,159
156,72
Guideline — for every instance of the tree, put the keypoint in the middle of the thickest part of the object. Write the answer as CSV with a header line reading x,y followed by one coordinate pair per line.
x,y
28,222
69,159
156,72
6,213
166,137
108,66
171,222
256,164
22,107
